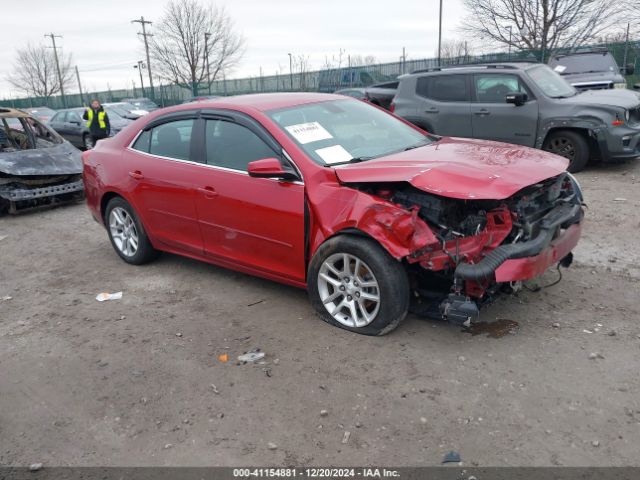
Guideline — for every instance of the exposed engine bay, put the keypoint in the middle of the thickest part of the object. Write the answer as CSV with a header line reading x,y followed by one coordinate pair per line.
x,y
475,237
37,167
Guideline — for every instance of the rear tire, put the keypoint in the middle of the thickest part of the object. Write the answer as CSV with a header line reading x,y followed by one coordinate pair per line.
x,y
570,145
373,289
127,234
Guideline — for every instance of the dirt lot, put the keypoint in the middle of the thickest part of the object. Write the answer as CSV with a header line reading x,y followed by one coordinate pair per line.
x,y
128,382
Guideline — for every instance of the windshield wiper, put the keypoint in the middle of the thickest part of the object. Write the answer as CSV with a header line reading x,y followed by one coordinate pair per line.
x,y
353,160
421,143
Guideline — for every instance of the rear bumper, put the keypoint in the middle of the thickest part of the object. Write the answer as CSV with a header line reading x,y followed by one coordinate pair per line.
x,y
530,267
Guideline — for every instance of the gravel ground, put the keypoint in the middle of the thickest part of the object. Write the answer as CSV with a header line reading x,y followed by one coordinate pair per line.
x,y
137,381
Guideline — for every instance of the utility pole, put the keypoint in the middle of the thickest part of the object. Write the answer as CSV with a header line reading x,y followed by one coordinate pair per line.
x,y
510,37
206,54
626,51
440,36
290,70
404,60
55,54
144,34
140,66
79,86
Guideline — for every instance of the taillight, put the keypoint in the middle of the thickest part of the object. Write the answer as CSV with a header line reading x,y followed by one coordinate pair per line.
x,y
392,107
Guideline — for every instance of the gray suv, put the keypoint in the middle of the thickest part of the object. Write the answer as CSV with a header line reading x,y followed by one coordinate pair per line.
x,y
523,103
591,70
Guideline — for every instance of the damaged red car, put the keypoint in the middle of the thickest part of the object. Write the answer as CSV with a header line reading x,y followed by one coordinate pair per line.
x,y
370,214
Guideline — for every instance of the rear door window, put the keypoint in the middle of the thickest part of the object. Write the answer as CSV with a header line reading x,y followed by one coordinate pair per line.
x,y
444,88
172,139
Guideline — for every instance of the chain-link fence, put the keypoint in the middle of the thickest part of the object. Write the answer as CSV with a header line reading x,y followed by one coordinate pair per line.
x,y
326,80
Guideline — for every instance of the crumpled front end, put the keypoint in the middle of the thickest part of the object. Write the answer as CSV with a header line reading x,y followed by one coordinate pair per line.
x,y
477,247
19,193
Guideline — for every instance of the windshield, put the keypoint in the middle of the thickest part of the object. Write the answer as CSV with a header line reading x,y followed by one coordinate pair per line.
x,y
551,84
116,112
340,131
584,63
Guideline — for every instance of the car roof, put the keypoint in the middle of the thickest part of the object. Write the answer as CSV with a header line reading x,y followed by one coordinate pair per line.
x,y
474,67
261,102
12,113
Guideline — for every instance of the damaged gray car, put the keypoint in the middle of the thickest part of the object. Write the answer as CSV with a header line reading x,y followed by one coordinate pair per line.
x,y
38,168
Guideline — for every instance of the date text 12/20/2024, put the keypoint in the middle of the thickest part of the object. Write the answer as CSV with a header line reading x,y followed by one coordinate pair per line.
x,y
315,473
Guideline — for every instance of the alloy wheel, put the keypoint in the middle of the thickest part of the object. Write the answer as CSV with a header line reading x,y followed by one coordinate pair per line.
x,y
123,231
349,290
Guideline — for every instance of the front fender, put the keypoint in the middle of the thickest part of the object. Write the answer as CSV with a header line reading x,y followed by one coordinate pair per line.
x,y
398,230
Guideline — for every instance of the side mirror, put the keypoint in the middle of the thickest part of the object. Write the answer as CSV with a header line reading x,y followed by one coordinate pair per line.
x,y
269,168
628,69
518,98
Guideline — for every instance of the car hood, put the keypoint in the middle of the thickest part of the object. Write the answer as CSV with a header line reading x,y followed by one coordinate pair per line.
x,y
621,97
62,159
460,168
593,77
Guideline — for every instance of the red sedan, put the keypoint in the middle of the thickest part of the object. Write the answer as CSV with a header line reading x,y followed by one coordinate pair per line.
x,y
369,213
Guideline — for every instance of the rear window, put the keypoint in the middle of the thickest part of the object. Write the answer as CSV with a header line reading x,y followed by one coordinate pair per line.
x,y
443,88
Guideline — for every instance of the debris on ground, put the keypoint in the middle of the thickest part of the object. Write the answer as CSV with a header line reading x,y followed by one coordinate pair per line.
x,y
324,413
255,303
251,356
272,446
178,334
215,389
423,420
595,443
595,356
345,437
587,331
103,297
556,325
2,237
34,467
223,357
168,446
452,457
6,298
619,199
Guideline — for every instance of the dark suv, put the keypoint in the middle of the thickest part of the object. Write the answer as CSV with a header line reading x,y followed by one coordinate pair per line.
x,y
523,103
591,70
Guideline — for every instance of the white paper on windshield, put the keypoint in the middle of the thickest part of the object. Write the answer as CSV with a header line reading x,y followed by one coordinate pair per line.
x,y
560,68
335,154
308,132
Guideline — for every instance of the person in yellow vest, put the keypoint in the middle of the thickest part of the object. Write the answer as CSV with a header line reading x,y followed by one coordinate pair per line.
x,y
97,121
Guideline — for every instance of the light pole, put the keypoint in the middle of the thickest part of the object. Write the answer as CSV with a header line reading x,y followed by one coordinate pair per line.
x,y
510,36
290,70
440,36
206,53
140,66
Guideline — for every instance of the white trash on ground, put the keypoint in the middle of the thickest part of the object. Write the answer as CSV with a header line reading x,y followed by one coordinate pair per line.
x,y
103,297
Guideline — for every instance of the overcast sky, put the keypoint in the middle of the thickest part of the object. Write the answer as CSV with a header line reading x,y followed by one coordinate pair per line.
x,y
105,47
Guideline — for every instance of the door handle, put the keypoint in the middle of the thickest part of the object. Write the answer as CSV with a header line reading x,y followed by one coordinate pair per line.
x,y
137,174
209,192
431,110
482,112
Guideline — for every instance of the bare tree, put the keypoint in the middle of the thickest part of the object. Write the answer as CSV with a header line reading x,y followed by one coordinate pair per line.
x,y
194,43
539,24
455,51
363,61
302,66
34,71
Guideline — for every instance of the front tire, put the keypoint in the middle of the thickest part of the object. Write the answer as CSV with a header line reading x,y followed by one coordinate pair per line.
x,y
353,283
128,237
570,145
